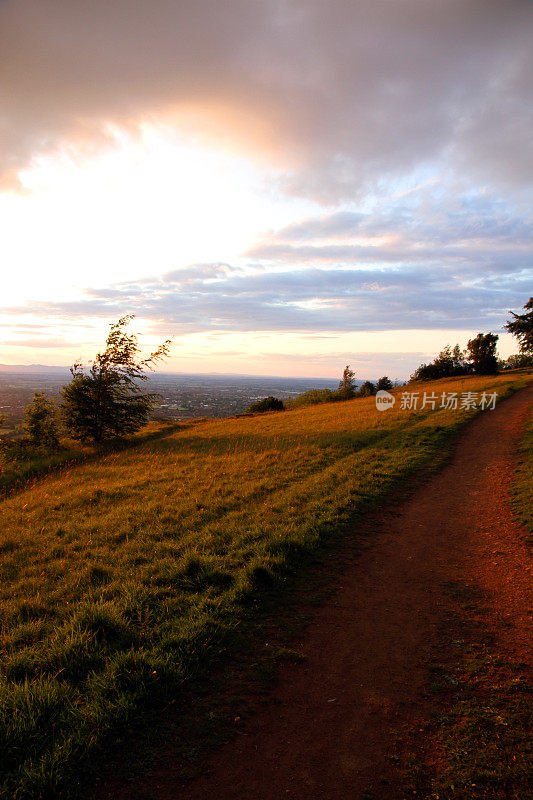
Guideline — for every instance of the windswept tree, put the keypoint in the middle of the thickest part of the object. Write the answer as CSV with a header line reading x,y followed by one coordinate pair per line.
x,y
482,354
347,384
522,327
105,401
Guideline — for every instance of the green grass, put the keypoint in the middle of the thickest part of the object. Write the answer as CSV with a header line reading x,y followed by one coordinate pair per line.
x,y
26,465
17,473
125,579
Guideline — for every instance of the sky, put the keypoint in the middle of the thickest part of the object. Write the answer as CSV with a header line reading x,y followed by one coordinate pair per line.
x,y
284,187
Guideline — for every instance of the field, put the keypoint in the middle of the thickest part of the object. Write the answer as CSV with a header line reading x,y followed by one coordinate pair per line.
x,y
124,577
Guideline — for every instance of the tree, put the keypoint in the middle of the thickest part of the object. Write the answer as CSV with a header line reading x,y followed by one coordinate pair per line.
x,y
519,361
384,383
347,384
40,422
522,327
459,361
482,354
367,389
105,401
266,404
449,363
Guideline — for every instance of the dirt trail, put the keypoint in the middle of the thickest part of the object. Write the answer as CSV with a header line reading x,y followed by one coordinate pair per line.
x,y
328,734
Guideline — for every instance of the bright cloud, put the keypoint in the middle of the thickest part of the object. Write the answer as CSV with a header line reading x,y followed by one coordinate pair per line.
x,y
249,169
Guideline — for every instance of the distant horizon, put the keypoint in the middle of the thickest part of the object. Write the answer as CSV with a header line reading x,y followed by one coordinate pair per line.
x,y
58,368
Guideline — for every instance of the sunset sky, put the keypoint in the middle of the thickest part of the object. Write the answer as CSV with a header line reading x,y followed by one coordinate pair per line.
x,y
284,187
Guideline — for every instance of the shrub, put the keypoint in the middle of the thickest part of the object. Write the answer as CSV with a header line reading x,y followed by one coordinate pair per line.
x,y
367,389
40,422
314,397
266,404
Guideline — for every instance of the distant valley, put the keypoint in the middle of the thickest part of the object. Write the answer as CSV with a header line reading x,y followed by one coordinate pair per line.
x,y
183,396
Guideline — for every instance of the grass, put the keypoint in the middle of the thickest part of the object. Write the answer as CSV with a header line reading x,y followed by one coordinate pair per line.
x,y
523,483
126,578
31,464
17,473
478,744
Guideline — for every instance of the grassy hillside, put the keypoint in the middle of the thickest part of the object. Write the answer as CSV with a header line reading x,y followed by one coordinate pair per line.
x,y
122,578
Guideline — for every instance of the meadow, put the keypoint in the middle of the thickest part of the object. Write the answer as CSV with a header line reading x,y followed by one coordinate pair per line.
x,y
124,577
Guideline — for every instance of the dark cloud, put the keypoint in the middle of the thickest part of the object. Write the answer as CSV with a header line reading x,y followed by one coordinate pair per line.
x,y
341,93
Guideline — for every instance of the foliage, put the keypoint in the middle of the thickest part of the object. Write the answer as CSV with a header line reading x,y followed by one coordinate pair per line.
x,y
522,327
482,354
40,422
346,391
106,402
266,404
17,451
449,363
20,458
367,389
385,384
123,578
520,361
347,385
313,397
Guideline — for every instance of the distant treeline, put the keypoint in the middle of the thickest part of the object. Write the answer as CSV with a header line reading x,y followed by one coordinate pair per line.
x,y
347,390
478,358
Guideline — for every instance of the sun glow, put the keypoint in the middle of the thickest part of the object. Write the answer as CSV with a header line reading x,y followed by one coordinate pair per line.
x,y
147,205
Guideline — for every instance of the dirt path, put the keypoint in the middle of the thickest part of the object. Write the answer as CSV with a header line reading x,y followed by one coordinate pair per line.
x,y
327,735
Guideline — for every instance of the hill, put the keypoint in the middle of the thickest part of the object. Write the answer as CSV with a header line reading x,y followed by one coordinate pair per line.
x,y
124,578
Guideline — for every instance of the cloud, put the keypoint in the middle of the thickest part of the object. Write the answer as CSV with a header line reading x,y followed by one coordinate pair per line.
x,y
339,94
306,300
438,218
432,263
36,342
470,235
